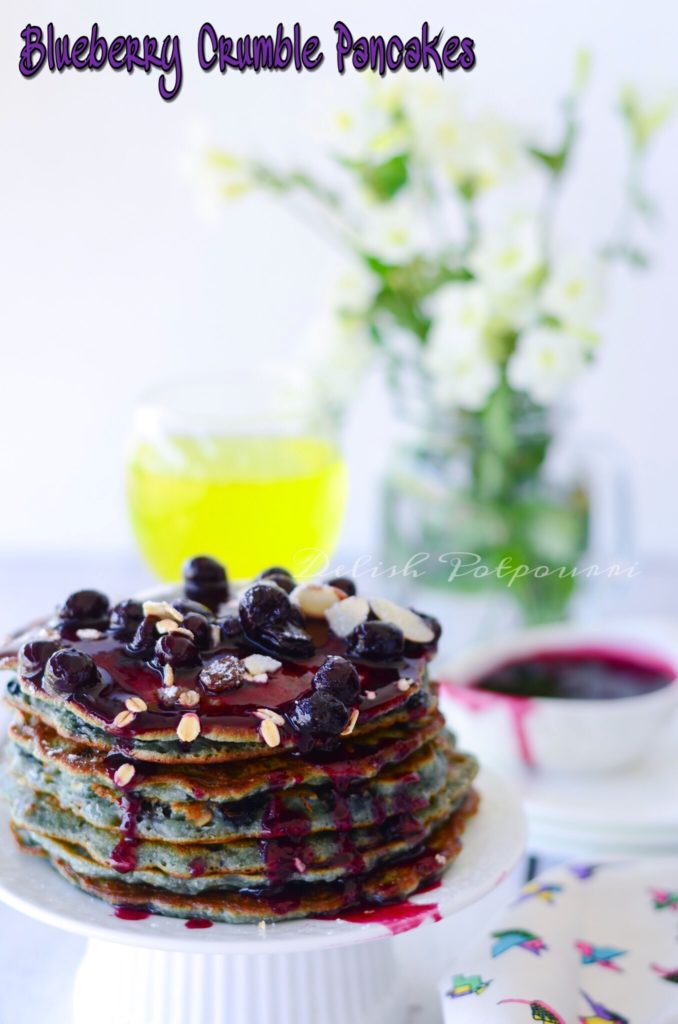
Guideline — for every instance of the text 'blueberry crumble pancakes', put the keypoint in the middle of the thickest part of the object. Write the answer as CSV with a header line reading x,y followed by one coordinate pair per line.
x,y
262,755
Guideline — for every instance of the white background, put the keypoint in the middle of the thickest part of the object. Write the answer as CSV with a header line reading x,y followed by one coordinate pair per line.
x,y
111,281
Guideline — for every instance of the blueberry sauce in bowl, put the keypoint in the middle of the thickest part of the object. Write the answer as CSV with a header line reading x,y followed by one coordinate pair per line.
x,y
567,698
579,674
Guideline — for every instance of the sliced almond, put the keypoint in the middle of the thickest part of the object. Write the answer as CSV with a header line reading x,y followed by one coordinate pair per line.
x,y
136,704
260,664
167,695
405,684
413,626
182,631
299,865
344,616
89,634
269,715
189,699
162,610
351,723
370,694
188,728
440,858
123,718
168,676
124,775
315,598
270,733
167,626
216,635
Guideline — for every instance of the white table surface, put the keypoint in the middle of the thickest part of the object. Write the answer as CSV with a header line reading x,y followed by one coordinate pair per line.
x,y
37,963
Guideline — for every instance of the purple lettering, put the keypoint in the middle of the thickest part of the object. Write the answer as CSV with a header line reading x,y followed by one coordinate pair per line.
x,y
344,44
207,33
468,56
33,52
309,58
395,46
429,53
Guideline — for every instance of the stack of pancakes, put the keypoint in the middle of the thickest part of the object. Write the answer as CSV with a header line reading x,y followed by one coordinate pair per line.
x,y
254,790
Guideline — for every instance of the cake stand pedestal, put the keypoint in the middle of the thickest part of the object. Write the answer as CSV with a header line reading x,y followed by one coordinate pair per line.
x,y
117,984
158,971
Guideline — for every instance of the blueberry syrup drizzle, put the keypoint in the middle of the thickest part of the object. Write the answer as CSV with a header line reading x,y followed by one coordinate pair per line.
x,y
124,855
197,923
397,917
123,674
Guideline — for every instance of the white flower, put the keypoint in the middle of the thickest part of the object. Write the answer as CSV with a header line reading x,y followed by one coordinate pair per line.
x,y
393,231
572,292
546,362
371,129
353,292
463,374
508,256
338,353
481,152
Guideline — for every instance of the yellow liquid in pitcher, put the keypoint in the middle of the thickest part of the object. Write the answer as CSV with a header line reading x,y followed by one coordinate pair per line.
x,y
249,501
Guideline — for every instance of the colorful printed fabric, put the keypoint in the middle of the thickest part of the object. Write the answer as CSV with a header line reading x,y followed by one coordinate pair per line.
x,y
584,944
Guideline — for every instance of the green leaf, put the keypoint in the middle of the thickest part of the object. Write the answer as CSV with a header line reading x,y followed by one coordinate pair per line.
x,y
383,180
555,162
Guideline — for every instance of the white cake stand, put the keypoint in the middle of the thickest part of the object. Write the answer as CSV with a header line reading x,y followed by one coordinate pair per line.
x,y
156,971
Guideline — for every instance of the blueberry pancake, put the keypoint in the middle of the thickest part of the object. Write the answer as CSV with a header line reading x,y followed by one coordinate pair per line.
x,y
265,754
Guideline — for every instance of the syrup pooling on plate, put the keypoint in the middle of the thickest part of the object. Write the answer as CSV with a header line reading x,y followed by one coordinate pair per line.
x,y
268,754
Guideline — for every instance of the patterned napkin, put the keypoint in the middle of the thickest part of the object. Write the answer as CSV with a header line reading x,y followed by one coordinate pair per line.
x,y
581,945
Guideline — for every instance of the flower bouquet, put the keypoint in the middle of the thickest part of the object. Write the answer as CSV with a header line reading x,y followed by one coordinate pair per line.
x,y
481,318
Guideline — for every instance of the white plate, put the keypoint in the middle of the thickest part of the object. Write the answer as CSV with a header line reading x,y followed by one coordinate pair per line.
x,y
493,844
640,799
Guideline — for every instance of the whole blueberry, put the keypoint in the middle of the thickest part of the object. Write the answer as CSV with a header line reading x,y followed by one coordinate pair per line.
x,y
338,677
376,641
34,655
143,641
321,714
126,617
343,583
184,605
230,626
68,670
263,604
287,639
176,651
282,579
84,607
200,628
212,595
205,581
274,570
203,569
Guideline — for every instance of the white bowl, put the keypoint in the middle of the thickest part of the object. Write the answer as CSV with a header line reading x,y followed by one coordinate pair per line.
x,y
558,734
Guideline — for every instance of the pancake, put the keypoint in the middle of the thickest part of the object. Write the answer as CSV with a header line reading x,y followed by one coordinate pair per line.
x,y
273,755
388,883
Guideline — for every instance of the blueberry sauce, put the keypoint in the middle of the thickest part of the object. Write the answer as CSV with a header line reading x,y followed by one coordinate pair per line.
x,y
123,673
124,856
197,923
131,914
586,674
397,917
